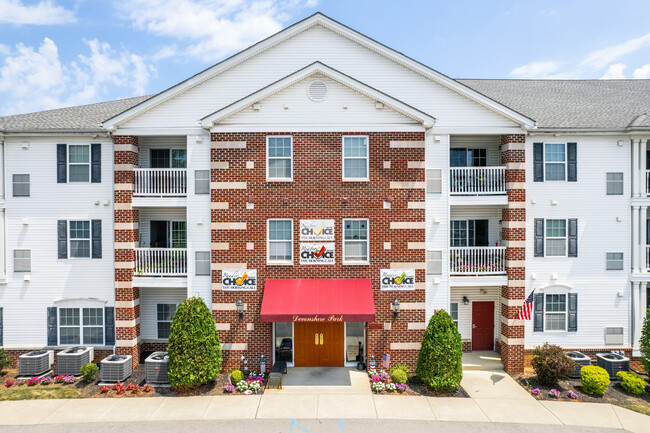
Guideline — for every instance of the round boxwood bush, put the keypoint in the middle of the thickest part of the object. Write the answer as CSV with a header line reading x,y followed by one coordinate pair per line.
x,y
402,367
595,380
194,346
551,364
644,343
88,371
236,376
440,361
398,376
631,383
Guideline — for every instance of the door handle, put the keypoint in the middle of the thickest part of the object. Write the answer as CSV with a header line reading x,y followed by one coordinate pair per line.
x,y
316,339
473,326
321,339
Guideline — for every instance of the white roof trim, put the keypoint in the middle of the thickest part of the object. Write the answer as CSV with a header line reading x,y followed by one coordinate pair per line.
x,y
319,19
317,68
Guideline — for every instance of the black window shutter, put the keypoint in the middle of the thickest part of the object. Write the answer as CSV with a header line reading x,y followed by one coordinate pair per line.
x,y
572,162
51,326
573,238
538,162
109,326
62,228
96,163
539,313
573,312
1,328
61,163
97,239
539,237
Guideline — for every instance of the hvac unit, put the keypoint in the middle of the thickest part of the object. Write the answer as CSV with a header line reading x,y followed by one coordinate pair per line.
x,y
35,363
70,360
581,360
157,367
613,363
115,368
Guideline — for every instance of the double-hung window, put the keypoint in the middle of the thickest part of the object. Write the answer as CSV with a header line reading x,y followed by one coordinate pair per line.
x,y
81,326
165,314
21,185
279,158
555,161
556,313
355,240
79,239
279,243
22,260
453,312
614,261
556,238
79,163
614,183
355,158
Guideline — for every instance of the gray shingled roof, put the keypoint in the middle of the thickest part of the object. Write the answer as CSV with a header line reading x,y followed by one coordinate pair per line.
x,y
560,104
601,104
85,118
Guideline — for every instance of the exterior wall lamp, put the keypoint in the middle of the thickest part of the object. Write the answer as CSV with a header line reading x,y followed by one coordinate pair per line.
x,y
239,305
465,300
395,307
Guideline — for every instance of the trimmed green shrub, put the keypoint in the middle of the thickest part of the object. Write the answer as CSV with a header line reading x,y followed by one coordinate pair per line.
x,y
631,383
551,364
398,376
194,347
236,377
402,367
595,380
5,360
88,371
440,360
644,343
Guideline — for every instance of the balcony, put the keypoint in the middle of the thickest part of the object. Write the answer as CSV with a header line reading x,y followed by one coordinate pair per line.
x,y
160,182
466,261
477,181
161,262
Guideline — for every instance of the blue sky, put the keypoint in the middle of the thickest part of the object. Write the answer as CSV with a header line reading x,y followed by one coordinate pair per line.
x,y
56,53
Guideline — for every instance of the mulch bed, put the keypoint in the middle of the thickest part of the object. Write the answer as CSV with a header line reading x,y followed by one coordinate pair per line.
x,y
614,394
416,387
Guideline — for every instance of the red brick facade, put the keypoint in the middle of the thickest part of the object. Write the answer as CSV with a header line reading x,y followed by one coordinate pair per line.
x,y
317,192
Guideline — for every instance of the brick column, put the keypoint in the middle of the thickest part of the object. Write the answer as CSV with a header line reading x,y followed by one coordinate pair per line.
x,y
127,297
513,218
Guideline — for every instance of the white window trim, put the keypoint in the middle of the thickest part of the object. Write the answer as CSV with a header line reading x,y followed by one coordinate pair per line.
x,y
355,262
278,179
80,326
90,157
164,321
367,158
566,164
566,237
268,243
566,312
90,240
457,314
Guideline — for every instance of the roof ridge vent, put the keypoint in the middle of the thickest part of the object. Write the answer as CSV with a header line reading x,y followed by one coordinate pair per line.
x,y
317,90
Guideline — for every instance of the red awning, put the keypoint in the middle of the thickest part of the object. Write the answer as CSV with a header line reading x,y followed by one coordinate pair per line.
x,y
318,300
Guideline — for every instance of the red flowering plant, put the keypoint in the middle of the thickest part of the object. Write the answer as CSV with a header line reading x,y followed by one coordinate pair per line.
x,y
104,390
147,388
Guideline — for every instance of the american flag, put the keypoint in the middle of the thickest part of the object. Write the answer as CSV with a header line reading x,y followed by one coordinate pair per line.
x,y
525,310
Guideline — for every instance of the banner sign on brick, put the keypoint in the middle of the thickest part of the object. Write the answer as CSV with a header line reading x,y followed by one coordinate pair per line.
x,y
317,254
317,230
245,279
397,279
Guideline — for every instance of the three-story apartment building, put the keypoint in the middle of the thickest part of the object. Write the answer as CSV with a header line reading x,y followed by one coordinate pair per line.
x,y
324,195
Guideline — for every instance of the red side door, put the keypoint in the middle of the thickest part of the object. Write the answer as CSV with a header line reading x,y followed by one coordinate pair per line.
x,y
483,325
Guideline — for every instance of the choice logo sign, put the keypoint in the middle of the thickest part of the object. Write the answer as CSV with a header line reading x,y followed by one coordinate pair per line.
x,y
317,254
397,279
317,230
245,279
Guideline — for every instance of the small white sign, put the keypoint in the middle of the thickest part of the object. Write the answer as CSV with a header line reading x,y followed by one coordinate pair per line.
x,y
317,254
317,230
397,279
242,280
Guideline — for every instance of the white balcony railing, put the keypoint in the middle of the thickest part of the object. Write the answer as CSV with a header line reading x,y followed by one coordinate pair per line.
x,y
160,262
477,260
160,182
477,180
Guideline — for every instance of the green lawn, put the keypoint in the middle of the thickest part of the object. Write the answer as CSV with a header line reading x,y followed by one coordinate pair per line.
x,y
38,393
641,408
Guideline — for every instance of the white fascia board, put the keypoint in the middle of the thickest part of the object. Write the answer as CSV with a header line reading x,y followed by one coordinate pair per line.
x,y
159,131
275,127
321,69
320,19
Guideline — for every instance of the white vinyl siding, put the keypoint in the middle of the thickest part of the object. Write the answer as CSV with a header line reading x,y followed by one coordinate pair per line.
x,y
279,242
355,158
556,238
555,313
355,240
279,158
146,143
149,300
79,163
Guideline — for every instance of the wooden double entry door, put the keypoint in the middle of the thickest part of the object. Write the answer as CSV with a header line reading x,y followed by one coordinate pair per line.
x,y
319,344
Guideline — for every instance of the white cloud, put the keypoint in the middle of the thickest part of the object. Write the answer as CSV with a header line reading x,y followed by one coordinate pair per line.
x,y
36,79
642,73
615,72
210,28
600,58
536,70
42,13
